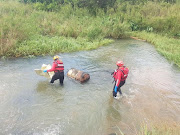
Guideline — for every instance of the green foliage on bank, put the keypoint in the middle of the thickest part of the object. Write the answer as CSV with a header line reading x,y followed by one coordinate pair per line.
x,y
21,22
91,5
160,130
42,45
25,24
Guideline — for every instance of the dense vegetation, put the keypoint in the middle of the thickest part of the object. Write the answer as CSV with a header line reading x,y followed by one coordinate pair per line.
x,y
39,27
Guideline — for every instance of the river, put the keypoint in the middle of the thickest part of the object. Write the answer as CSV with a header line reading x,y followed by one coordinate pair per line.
x,y
29,104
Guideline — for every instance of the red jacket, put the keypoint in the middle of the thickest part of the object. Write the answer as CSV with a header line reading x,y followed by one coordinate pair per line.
x,y
119,76
57,66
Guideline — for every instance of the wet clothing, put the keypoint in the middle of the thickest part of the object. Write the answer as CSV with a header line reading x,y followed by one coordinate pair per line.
x,y
58,69
119,75
58,75
119,78
119,88
56,66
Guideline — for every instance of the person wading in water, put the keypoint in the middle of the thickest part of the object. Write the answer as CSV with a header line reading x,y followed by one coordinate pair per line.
x,y
58,69
119,75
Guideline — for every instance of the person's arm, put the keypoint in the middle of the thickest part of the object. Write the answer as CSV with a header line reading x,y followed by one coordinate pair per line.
x,y
118,78
52,68
117,83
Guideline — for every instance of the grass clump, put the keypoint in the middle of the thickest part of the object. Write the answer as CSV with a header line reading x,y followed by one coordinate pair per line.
x,y
41,45
160,130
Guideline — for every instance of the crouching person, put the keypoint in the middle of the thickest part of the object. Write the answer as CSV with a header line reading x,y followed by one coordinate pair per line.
x,y
58,69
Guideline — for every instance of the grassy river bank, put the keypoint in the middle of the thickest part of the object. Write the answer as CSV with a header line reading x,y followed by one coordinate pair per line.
x,y
28,32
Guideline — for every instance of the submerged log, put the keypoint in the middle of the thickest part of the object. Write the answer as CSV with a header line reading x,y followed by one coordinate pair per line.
x,y
78,75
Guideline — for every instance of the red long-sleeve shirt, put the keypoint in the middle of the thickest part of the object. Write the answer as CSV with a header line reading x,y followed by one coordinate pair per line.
x,y
56,66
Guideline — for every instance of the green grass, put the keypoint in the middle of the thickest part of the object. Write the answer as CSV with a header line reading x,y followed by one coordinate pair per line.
x,y
26,31
160,130
42,45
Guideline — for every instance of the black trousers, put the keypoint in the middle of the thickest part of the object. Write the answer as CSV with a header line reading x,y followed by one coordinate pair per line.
x,y
119,88
58,75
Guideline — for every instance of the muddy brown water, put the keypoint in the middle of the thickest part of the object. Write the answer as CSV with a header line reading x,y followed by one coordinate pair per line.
x,y
29,104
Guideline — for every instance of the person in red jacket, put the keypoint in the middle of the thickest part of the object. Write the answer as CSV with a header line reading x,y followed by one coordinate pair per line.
x,y
120,76
58,69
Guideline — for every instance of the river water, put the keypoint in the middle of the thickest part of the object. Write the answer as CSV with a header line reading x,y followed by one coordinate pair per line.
x,y
29,104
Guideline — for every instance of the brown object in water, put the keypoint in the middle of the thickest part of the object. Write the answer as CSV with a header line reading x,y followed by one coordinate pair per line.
x,y
78,75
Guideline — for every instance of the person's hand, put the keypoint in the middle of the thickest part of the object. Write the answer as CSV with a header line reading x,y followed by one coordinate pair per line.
x,y
112,73
45,71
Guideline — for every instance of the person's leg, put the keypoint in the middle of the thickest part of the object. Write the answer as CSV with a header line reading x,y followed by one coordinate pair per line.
x,y
120,90
61,78
54,78
114,93
120,85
